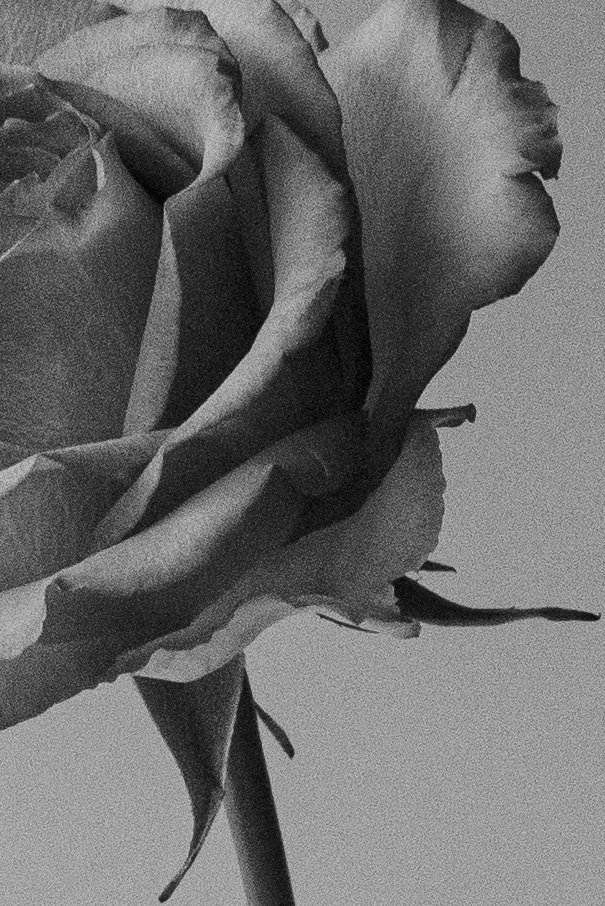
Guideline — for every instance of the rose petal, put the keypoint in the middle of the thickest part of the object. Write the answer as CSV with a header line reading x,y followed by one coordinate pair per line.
x,y
76,290
117,460
171,68
16,162
309,215
281,76
61,132
279,69
22,613
159,168
442,137
212,538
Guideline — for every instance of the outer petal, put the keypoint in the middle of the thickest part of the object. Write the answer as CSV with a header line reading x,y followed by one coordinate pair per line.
x,y
345,568
443,137
171,68
159,579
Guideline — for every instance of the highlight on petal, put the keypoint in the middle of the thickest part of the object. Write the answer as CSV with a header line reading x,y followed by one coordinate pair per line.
x,y
445,168
22,613
172,68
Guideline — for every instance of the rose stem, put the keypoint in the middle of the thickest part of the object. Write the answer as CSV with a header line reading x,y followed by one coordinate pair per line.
x,y
251,813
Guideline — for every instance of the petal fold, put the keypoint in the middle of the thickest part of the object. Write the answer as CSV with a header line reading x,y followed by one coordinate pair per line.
x,y
280,73
170,67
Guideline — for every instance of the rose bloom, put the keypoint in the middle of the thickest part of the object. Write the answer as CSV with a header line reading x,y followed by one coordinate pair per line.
x,y
217,318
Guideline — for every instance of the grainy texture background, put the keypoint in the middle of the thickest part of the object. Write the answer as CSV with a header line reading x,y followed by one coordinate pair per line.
x,y
462,769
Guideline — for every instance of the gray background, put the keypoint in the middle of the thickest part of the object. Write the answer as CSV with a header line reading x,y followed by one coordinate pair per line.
x,y
461,769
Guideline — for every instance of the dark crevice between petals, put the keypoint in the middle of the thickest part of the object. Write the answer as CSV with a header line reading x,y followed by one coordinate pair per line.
x,y
219,317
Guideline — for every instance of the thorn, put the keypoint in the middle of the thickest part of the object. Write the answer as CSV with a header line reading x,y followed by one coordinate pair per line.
x,y
278,733
430,566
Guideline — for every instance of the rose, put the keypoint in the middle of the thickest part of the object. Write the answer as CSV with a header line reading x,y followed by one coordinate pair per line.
x,y
108,613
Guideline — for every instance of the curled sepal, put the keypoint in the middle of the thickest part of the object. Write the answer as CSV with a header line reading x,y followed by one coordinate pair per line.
x,y
196,721
419,603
